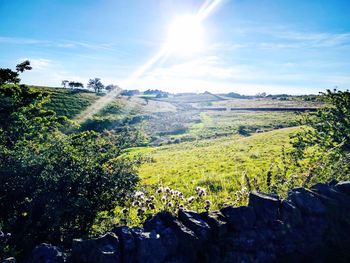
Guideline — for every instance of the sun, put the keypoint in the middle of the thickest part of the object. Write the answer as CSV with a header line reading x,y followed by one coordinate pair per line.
x,y
185,35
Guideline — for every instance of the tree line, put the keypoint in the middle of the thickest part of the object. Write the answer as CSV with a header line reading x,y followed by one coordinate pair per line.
x,y
94,84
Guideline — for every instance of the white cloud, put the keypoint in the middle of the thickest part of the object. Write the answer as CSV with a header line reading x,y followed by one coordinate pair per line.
x,y
37,63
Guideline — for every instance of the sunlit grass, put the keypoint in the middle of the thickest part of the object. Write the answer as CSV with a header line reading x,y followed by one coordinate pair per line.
x,y
218,165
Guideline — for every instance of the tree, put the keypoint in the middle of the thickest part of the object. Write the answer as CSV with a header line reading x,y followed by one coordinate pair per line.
x,y
9,76
65,83
95,84
76,85
111,87
25,65
323,145
53,185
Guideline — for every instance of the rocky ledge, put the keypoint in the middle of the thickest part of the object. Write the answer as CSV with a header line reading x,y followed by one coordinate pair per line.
x,y
310,225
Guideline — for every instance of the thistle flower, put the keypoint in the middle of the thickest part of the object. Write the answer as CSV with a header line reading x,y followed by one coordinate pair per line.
x,y
207,205
139,194
160,190
167,190
140,211
136,203
191,199
152,197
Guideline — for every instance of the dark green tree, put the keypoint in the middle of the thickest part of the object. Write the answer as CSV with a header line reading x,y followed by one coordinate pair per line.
x,y
323,145
25,65
95,84
52,185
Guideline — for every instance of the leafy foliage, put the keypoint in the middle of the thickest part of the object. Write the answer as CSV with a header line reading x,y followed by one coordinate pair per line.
x,y
52,185
95,84
323,146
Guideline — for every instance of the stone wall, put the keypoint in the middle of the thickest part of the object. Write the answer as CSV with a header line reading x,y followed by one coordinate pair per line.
x,y
311,225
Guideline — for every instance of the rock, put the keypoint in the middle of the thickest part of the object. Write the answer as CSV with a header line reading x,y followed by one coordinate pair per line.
x,y
216,222
266,207
307,201
290,214
239,217
182,243
330,196
194,222
104,249
127,243
149,248
45,253
309,226
9,260
343,187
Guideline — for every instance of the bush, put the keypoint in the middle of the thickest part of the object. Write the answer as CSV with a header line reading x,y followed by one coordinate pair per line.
x,y
323,146
53,185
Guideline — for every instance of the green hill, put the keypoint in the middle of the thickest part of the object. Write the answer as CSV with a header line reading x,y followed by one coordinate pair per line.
x,y
67,102
218,165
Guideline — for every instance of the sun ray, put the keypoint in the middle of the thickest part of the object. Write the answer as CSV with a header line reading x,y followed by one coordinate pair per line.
x,y
207,8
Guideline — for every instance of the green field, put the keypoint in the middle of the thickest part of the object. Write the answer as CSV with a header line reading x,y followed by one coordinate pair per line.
x,y
67,102
218,165
189,146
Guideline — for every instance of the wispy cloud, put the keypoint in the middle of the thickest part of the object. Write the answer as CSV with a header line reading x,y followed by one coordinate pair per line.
x,y
70,44
38,63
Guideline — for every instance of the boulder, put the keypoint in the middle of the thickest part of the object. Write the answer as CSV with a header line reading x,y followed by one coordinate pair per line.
x,y
9,260
266,207
149,247
104,249
127,243
181,242
290,214
45,253
194,222
307,201
239,217
217,223
343,187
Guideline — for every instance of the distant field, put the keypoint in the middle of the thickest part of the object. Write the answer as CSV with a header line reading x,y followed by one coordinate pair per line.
x,y
179,118
66,102
259,103
216,164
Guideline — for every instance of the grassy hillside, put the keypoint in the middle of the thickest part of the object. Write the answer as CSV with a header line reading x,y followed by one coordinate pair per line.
x,y
67,102
218,165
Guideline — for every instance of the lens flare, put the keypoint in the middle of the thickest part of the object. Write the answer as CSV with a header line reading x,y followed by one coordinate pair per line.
x,y
185,34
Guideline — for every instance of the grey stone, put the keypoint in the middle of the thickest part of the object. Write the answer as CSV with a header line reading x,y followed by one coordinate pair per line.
x,y
239,217
194,222
127,243
266,207
104,249
217,223
290,214
9,260
307,201
343,187
45,253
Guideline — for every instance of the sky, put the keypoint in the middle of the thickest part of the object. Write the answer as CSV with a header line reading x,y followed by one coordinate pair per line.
x,y
251,46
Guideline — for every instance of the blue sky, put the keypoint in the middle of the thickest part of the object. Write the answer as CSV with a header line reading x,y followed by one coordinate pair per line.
x,y
251,46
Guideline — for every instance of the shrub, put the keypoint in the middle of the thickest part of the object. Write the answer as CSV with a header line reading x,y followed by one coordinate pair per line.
x,y
53,185
323,146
